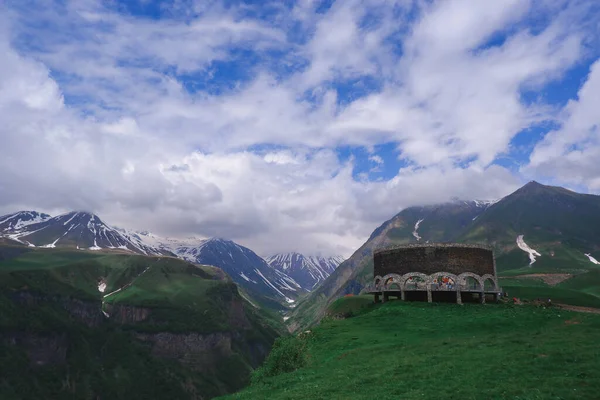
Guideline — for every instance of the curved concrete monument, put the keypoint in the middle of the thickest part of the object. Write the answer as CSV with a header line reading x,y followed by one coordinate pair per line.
x,y
435,272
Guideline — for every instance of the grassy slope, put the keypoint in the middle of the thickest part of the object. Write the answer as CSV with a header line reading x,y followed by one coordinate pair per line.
x,y
582,289
405,350
183,298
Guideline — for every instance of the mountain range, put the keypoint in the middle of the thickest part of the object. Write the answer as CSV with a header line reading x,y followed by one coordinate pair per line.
x,y
80,230
276,284
245,267
308,271
537,229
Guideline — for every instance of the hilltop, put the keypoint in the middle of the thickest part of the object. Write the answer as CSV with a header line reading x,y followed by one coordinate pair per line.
x,y
402,350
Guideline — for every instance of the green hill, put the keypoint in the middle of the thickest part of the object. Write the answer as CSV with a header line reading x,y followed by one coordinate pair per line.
x,y
403,350
170,329
561,225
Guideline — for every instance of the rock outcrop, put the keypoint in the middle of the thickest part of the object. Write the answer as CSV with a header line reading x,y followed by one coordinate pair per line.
x,y
41,349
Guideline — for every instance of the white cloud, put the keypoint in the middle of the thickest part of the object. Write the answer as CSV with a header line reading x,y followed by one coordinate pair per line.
x,y
571,154
376,159
97,116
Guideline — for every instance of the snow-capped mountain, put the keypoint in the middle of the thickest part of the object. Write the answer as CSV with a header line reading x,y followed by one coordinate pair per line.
x,y
167,244
308,271
86,231
244,266
81,230
21,219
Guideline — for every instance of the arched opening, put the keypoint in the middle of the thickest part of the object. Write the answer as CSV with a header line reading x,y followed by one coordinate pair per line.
x,y
394,289
489,285
377,283
470,287
443,287
415,282
415,287
443,282
471,284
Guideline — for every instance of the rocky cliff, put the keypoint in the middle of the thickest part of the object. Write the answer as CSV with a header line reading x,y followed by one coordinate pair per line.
x,y
185,327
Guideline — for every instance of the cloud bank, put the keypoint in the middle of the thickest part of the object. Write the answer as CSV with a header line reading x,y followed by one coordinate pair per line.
x,y
291,128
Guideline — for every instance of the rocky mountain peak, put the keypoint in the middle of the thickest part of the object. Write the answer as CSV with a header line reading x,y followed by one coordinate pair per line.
x,y
20,219
307,270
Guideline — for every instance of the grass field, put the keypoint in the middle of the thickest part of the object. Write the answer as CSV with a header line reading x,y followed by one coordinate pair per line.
x,y
580,290
401,350
350,306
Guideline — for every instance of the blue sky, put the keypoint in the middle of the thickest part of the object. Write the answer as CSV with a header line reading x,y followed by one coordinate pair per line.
x,y
296,125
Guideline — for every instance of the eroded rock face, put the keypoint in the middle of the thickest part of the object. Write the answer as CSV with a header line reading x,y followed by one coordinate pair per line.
x,y
225,358
195,350
237,315
41,349
124,314
88,312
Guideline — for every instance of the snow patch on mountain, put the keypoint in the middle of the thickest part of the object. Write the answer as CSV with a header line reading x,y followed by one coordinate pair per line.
x,y
415,233
95,246
592,259
246,278
525,247
51,245
21,219
188,246
485,203
20,233
268,282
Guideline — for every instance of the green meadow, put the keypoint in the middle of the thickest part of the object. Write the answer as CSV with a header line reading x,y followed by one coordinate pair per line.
x,y
404,350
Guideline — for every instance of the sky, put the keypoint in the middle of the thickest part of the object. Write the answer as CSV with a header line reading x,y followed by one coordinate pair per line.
x,y
291,125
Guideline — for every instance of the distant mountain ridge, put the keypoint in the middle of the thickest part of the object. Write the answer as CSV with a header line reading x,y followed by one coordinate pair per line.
x,y
77,229
308,271
245,267
86,231
536,228
21,219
